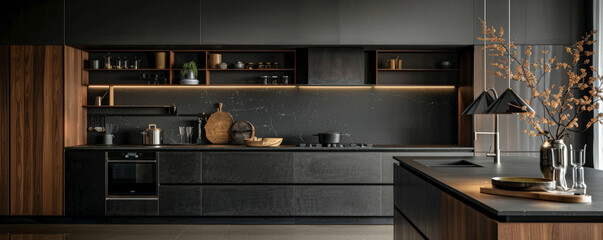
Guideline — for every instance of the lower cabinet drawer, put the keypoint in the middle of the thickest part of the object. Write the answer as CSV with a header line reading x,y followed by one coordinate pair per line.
x,y
132,208
338,200
403,230
180,200
241,200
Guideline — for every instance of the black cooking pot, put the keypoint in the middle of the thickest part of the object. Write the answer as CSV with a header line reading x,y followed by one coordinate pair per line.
x,y
329,137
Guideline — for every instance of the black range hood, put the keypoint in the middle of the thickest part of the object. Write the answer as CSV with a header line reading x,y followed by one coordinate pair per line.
x,y
336,66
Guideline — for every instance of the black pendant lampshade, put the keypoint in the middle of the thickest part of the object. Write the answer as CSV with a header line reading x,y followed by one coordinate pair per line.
x,y
480,104
509,102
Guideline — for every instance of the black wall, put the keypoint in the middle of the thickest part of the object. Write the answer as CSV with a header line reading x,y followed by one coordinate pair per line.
x,y
379,116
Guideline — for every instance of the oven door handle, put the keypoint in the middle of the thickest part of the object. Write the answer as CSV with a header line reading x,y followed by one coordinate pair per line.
x,y
131,161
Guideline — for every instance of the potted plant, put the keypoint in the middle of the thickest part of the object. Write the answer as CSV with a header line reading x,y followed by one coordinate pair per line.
x,y
189,70
564,105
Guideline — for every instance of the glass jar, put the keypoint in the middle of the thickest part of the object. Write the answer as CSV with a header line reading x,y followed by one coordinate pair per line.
x,y
268,65
275,65
274,80
250,65
260,65
285,80
264,79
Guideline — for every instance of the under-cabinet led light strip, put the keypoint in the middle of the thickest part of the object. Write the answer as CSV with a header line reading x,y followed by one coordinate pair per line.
x,y
269,87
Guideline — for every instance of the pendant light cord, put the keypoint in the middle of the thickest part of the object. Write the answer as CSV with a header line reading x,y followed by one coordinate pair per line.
x,y
483,29
509,43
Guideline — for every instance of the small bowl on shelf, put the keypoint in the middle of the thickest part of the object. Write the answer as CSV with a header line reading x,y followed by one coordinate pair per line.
x,y
189,82
263,142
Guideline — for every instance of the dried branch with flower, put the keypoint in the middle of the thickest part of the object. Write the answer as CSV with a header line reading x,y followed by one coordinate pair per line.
x,y
562,106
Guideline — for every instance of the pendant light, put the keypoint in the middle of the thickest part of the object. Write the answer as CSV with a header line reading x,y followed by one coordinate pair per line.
x,y
509,101
481,104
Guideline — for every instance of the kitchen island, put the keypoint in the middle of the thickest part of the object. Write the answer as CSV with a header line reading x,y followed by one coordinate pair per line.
x,y
446,202
235,184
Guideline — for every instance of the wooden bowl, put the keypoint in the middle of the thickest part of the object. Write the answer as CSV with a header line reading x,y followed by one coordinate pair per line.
x,y
263,142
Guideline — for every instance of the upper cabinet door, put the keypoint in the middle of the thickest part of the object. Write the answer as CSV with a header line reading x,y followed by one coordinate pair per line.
x,y
534,21
269,22
402,22
31,22
140,22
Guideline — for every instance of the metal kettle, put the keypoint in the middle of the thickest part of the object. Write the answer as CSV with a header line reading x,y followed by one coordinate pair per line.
x,y
152,135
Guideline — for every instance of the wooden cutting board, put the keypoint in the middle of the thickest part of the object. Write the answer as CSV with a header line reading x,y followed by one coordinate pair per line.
x,y
241,130
538,195
217,128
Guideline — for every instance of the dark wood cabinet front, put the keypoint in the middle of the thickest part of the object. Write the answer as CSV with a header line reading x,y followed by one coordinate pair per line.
x,y
132,208
84,183
406,22
180,200
247,167
266,22
135,22
180,167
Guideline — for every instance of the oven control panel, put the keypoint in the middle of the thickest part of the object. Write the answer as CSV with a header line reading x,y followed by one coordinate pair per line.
x,y
132,155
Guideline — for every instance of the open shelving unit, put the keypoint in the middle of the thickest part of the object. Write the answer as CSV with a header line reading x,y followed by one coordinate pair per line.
x,y
423,69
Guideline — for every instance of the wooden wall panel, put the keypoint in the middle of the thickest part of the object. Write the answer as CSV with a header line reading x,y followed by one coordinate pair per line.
x,y
75,93
4,131
37,140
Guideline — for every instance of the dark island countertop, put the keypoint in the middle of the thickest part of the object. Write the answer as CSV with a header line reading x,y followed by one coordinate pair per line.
x,y
464,184
376,148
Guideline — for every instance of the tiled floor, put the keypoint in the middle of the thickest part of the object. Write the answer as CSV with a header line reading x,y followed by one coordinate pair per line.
x,y
198,232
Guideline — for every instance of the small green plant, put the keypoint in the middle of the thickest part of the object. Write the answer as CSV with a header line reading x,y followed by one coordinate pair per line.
x,y
189,67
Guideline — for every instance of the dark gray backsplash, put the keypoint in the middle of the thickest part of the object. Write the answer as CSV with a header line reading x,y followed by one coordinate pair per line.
x,y
367,115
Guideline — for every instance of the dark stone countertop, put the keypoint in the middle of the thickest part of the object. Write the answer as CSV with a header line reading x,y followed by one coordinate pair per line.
x,y
464,183
289,148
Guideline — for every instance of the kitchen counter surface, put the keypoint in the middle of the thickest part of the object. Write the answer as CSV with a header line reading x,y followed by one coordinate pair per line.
x,y
464,183
376,148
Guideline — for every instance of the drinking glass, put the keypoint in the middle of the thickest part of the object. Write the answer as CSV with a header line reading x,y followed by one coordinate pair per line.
x,y
182,136
189,134
578,159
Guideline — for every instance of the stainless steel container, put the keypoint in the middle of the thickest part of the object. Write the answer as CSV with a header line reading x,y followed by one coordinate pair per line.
x,y
152,135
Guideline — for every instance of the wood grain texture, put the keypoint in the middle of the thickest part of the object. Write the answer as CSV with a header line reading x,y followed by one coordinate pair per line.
x,y
550,231
541,195
75,95
4,130
462,222
36,158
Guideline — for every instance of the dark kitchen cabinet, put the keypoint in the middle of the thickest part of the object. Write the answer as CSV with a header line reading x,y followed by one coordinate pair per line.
x,y
26,22
337,167
403,230
133,208
406,22
84,183
419,201
180,200
534,21
250,200
180,167
264,22
338,200
136,22
247,167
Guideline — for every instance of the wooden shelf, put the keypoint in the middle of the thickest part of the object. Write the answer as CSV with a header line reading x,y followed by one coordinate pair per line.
x,y
129,69
180,69
127,106
420,69
255,69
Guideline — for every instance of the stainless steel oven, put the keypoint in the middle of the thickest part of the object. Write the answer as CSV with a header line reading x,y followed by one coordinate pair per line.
x,y
131,175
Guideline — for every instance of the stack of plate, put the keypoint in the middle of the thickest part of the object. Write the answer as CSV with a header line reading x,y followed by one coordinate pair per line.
x,y
189,81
